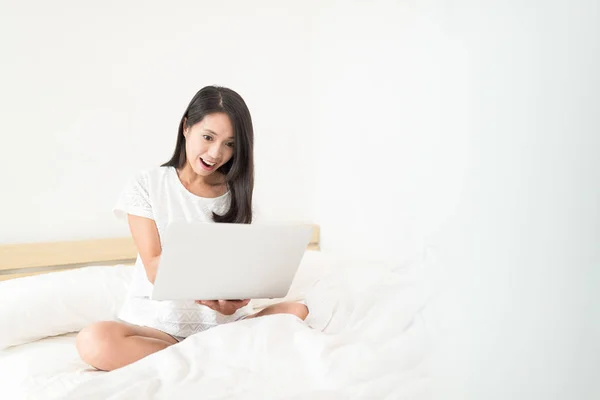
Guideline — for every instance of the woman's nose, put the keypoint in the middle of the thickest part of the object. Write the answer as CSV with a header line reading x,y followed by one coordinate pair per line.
x,y
214,152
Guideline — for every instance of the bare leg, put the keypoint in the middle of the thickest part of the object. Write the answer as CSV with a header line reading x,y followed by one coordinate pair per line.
x,y
109,345
297,309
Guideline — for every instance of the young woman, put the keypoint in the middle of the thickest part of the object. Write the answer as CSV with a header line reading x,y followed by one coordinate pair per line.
x,y
209,178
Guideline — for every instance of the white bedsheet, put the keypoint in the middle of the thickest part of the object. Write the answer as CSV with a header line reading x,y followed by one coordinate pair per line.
x,y
375,344
43,369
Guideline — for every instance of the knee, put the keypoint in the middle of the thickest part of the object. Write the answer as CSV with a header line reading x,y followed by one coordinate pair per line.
x,y
96,342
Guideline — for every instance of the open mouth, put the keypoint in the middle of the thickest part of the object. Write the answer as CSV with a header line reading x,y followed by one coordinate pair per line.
x,y
207,165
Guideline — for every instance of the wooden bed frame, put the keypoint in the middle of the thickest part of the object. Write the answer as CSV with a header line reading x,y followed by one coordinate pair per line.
x,y
18,260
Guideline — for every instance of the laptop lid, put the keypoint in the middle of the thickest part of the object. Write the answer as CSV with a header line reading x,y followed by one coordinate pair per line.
x,y
218,261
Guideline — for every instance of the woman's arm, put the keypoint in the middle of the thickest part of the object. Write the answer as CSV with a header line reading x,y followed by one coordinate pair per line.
x,y
146,239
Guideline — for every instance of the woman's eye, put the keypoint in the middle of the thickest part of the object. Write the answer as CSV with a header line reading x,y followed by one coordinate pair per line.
x,y
230,144
206,137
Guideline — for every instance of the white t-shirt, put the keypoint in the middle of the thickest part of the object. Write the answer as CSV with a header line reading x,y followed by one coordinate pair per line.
x,y
158,194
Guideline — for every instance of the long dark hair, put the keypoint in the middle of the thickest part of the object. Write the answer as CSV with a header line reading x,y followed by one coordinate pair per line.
x,y
239,171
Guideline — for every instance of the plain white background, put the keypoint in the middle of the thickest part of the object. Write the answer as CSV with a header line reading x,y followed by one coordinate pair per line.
x,y
470,127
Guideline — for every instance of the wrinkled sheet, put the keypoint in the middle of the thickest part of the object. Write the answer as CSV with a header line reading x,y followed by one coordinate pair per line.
x,y
374,344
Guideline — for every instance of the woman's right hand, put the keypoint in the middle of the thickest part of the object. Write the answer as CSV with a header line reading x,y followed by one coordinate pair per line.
x,y
225,307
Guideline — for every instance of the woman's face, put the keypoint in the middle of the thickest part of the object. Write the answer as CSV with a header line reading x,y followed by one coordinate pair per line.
x,y
209,143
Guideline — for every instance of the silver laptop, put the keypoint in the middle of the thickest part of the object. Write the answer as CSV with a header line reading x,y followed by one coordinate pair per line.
x,y
208,261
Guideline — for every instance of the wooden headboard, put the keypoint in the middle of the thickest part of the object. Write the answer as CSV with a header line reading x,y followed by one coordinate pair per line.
x,y
18,260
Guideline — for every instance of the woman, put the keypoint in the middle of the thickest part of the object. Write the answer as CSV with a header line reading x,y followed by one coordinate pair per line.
x,y
209,178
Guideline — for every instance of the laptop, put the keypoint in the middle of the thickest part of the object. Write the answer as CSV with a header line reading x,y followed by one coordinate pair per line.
x,y
208,261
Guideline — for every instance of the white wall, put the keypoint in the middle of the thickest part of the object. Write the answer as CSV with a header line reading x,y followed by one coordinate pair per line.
x,y
473,127
393,106
92,93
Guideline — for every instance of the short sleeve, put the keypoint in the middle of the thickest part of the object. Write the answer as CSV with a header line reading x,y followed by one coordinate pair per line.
x,y
135,199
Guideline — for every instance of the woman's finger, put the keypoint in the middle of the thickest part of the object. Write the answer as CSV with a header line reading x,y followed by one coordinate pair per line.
x,y
237,301
224,306
208,303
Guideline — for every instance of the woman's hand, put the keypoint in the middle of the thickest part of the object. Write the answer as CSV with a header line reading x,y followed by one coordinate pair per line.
x,y
225,307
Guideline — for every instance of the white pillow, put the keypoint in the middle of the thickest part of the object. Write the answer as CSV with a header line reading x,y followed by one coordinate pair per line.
x,y
39,306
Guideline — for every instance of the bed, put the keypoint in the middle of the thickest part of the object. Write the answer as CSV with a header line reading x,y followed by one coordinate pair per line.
x,y
369,337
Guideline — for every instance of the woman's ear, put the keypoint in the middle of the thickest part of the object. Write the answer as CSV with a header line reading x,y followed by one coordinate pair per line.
x,y
186,130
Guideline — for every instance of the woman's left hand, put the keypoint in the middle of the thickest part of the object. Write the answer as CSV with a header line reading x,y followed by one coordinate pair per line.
x,y
225,307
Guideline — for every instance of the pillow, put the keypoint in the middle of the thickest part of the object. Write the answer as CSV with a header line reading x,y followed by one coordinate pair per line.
x,y
52,304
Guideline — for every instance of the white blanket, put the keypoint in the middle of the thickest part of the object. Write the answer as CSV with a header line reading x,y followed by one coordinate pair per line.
x,y
374,345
